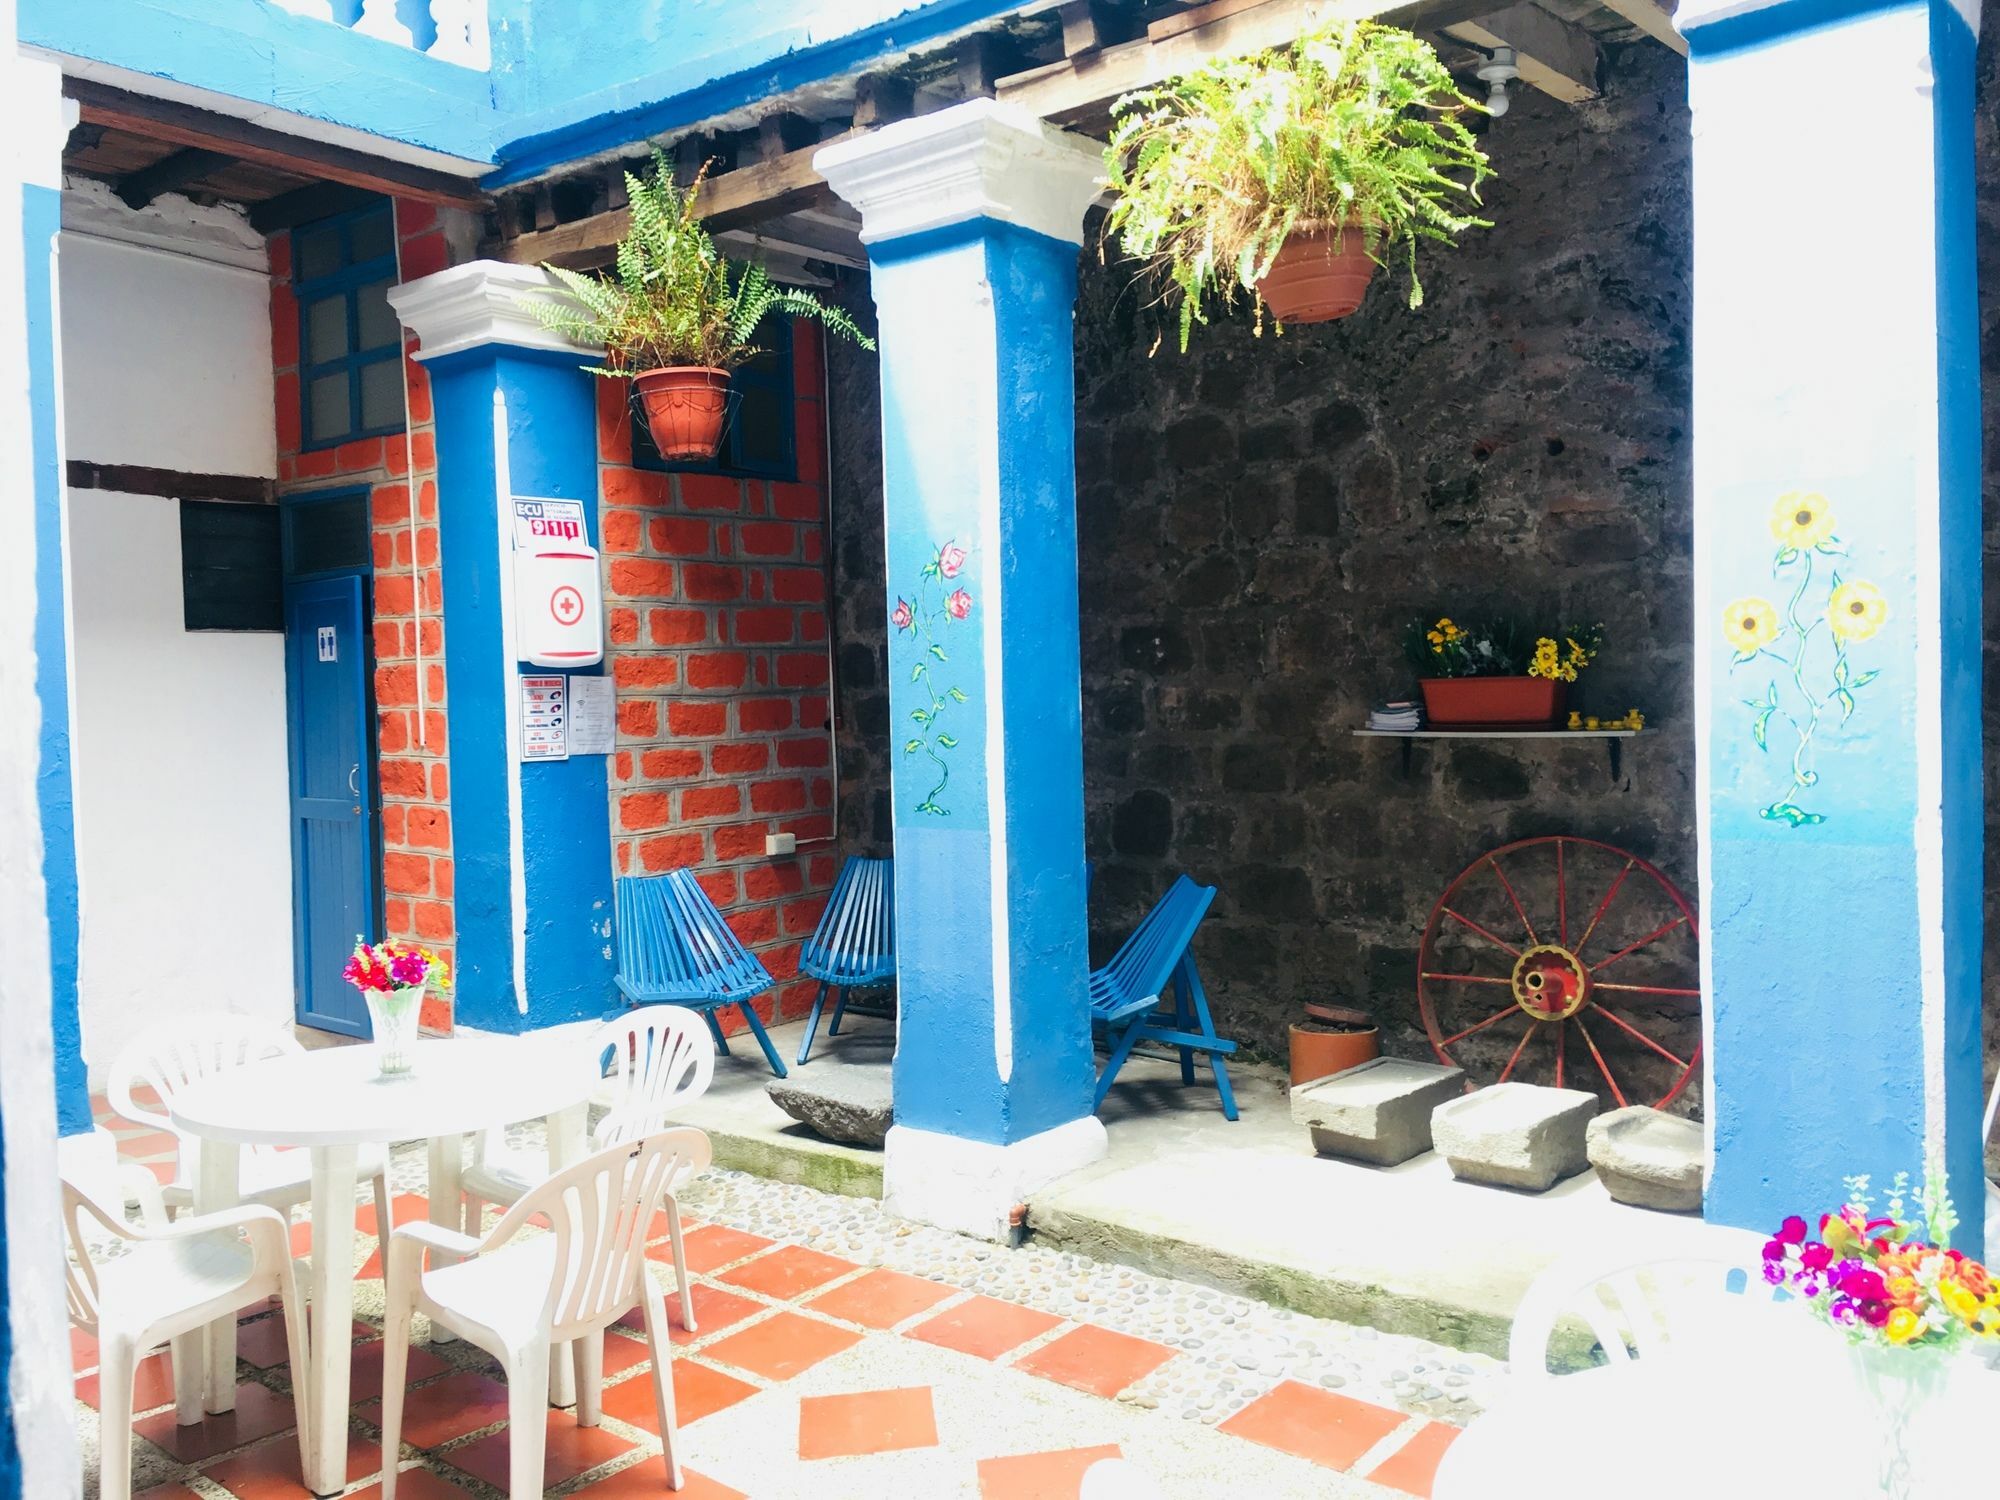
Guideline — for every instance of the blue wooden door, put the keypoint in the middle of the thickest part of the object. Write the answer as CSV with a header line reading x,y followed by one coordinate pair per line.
x,y
332,782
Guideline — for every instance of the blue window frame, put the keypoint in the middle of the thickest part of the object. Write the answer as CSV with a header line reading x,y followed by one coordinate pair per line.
x,y
757,439
350,342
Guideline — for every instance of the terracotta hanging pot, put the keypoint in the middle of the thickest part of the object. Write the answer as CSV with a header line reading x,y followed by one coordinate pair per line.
x,y
684,408
1492,702
1332,1039
1315,280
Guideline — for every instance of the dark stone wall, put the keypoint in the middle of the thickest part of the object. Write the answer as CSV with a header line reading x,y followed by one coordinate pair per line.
x,y
1260,517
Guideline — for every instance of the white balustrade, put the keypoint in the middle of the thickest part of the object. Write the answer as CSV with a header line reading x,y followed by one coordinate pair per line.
x,y
461,26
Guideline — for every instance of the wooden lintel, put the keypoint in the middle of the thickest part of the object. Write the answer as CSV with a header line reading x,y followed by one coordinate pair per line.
x,y
203,129
1201,15
320,200
1653,18
1553,55
169,174
173,484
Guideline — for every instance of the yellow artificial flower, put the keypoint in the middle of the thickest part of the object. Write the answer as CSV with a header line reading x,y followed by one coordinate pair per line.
x,y
1903,1326
1959,1302
1856,611
1801,519
1750,623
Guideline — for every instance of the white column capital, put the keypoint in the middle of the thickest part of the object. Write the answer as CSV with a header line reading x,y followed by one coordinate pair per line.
x,y
480,302
980,159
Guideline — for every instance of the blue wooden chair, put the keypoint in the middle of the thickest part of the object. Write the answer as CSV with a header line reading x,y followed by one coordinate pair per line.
x,y
674,948
854,946
1128,996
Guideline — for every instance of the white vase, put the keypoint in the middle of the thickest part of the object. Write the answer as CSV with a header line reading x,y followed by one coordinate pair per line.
x,y
393,1015
1902,1388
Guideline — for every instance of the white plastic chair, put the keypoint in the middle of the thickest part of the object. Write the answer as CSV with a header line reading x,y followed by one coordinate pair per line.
x,y
519,1300
662,1059
170,1282
175,1054
1632,1307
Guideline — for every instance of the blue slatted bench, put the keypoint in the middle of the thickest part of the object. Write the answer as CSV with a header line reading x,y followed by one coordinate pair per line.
x,y
854,945
674,948
1128,996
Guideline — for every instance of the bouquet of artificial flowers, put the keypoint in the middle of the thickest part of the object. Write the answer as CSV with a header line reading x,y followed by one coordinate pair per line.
x,y
394,965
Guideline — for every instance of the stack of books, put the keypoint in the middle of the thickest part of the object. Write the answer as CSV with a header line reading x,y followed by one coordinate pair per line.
x,y
1396,718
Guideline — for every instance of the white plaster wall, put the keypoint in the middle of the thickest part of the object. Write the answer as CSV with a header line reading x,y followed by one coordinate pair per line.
x,y
182,810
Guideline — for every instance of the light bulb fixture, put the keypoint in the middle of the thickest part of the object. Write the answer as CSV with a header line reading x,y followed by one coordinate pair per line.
x,y
1496,73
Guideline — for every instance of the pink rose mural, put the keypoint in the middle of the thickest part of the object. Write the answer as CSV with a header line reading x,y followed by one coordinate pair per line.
x,y
928,622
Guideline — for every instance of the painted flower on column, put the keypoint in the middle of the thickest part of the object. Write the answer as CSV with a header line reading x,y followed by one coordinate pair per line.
x,y
928,623
1807,680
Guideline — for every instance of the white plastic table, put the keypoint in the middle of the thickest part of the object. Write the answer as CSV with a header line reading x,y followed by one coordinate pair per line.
x,y
333,1101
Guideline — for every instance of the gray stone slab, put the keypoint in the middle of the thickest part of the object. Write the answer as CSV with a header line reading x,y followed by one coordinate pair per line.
x,y
1648,1157
851,1104
1379,1112
1516,1135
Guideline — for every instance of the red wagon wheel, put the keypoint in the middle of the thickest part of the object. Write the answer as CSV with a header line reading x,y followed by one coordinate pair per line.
x,y
1568,961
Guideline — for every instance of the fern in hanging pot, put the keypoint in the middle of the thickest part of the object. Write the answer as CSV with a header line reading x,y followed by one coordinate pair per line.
x,y
1289,176
674,315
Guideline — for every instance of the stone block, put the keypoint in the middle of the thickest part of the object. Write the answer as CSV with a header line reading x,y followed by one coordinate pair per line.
x,y
1648,1157
841,1102
1379,1112
1517,1135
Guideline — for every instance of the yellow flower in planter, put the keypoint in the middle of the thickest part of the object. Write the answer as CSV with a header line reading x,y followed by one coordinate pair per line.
x,y
1750,624
1801,519
1856,611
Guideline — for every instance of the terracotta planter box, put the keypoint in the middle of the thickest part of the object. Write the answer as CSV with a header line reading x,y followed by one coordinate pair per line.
x,y
1492,702
1319,1050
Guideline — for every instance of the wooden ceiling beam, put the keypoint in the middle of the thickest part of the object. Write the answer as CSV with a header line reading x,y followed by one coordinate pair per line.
x,y
1554,56
170,173
1653,18
319,200
203,129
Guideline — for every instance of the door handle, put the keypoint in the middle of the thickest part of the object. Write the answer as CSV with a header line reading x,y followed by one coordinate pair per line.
x,y
354,780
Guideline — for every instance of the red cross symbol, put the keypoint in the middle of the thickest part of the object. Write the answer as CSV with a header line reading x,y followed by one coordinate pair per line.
x,y
566,604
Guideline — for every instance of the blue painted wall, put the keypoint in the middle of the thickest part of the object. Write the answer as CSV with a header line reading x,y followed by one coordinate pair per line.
x,y
977,407
1837,514
41,216
565,813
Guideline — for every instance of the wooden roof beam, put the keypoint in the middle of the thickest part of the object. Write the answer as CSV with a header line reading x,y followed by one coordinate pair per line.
x,y
1554,56
169,174
1653,18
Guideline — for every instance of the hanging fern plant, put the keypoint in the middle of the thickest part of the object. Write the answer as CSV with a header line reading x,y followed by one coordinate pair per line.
x,y
674,314
1351,138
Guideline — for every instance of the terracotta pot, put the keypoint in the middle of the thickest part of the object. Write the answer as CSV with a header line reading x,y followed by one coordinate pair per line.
x,y
1318,1051
684,409
1313,281
1492,702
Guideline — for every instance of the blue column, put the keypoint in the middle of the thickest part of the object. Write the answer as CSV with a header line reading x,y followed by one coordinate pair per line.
x,y
1837,548
973,218
531,841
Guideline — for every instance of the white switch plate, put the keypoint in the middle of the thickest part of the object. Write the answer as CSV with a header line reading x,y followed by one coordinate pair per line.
x,y
781,843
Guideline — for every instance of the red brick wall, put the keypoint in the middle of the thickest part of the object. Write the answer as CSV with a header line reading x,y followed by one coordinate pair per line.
x,y
715,605
413,770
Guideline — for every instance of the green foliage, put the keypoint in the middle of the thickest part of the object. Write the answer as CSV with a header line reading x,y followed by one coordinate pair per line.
x,y
1498,646
1355,129
673,298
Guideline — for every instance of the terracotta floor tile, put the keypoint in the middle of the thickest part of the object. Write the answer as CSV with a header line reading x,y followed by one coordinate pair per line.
x,y
273,1472
881,1299
1412,1467
781,1346
262,1342
152,1385
714,1310
711,1246
83,1348
259,1413
415,1484
572,1450
407,1207
365,1381
622,1353
446,1409
698,1392
167,1492
1040,1476
787,1272
1328,1428
1096,1360
984,1326
648,1481
148,1145
847,1426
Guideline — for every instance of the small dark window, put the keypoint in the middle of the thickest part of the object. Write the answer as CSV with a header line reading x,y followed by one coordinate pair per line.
x,y
231,575
757,438
326,536
350,343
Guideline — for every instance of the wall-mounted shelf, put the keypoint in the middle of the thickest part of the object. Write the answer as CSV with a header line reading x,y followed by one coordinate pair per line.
x,y
1613,738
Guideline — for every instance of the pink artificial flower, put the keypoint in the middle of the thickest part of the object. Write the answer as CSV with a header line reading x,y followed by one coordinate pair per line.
x,y
960,604
1865,1286
1815,1257
407,969
1874,1314
951,557
1774,1272
1792,1231
900,616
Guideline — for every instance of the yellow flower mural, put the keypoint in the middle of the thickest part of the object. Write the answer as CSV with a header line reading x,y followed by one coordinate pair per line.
x,y
1801,520
1856,610
1750,623
1803,685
